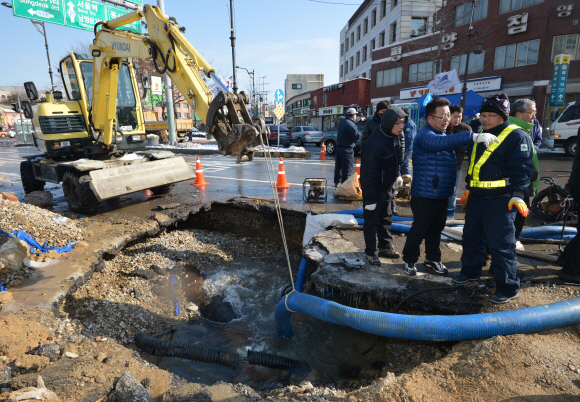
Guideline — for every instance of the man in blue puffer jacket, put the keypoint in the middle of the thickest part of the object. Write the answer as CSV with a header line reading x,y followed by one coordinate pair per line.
x,y
434,173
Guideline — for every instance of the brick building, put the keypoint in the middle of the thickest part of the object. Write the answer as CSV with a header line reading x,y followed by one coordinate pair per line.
x,y
520,40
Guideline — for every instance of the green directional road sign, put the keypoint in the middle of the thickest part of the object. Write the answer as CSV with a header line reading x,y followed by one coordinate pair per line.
x,y
79,14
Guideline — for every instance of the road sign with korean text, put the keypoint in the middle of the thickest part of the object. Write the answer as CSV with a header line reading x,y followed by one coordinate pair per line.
x,y
79,14
559,80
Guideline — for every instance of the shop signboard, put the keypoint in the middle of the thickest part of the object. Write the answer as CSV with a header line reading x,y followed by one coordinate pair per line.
x,y
327,111
476,85
79,14
559,80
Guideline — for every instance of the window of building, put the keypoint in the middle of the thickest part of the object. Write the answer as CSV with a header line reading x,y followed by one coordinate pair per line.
x,y
566,44
341,71
296,86
366,26
517,54
372,45
351,63
323,98
382,39
306,102
314,100
418,26
358,33
475,63
364,75
393,30
389,77
364,54
358,58
342,49
463,12
346,67
352,39
344,91
421,71
178,114
511,5
394,3
374,18
346,44
383,8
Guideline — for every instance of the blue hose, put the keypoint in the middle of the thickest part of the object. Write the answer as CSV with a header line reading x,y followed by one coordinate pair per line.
x,y
358,213
429,328
300,276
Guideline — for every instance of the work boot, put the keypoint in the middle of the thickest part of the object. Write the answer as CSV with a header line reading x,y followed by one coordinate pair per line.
x,y
389,252
410,269
373,260
437,266
498,298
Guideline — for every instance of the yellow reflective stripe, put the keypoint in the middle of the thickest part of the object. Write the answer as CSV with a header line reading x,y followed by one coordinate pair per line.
x,y
487,153
472,162
488,184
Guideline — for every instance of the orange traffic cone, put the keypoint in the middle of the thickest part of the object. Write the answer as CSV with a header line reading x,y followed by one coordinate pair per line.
x,y
322,153
282,183
199,179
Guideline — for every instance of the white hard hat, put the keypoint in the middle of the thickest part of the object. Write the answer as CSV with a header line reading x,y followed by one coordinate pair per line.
x,y
351,110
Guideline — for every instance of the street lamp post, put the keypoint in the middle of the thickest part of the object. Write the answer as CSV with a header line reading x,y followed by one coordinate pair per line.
x,y
253,87
38,25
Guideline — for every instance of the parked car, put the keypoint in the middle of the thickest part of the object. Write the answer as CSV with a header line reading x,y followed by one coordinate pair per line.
x,y
563,131
9,134
303,134
330,139
285,135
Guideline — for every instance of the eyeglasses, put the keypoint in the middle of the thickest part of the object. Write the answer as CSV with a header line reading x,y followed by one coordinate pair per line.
x,y
444,117
531,113
488,116
400,123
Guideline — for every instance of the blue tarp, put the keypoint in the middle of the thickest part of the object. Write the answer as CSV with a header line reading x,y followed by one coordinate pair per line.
x,y
472,102
22,235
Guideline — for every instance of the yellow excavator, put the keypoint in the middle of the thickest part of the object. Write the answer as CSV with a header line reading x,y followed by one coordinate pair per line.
x,y
94,142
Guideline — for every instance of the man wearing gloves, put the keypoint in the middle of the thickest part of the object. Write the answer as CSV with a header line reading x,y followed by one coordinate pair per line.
x,y
346,138
380,176
497,180
434,173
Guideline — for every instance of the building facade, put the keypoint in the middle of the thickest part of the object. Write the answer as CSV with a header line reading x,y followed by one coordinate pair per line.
x,y
377,24
298,110
329,104
298,83
518,39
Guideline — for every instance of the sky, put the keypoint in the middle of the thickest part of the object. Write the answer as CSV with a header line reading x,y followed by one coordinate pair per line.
x,y
273,37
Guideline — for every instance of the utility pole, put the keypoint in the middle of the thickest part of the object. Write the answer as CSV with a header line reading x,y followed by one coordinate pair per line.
x,y
168,94
21,120
233,39
39,24
469,35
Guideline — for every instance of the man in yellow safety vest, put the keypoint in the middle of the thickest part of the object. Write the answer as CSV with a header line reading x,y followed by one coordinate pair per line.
x,y
497,180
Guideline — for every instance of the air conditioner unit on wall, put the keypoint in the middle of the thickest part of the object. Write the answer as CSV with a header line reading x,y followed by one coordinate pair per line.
x,y
414,32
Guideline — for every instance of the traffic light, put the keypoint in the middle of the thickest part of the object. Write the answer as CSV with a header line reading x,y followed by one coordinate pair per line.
x,y
16,107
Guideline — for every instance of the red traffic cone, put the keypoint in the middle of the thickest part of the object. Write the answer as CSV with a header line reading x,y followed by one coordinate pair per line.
x,y
199,179
322,153
282,183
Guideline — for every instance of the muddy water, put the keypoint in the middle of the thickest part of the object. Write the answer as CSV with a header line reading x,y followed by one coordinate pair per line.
x,y
248,291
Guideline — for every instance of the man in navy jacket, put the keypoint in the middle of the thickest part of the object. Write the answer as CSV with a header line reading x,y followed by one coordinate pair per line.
x,y
380,177
434,173
346,138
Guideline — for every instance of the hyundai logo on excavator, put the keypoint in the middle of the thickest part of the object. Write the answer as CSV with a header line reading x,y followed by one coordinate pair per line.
x,y
121,46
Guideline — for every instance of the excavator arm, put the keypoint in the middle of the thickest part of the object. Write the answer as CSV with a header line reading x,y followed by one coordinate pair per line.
x,y
226,115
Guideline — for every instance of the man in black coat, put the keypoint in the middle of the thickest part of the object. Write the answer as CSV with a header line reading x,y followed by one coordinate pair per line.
x,y
380,176
372,124
346,138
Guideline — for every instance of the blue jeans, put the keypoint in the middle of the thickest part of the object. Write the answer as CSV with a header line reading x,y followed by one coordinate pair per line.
x,y
343,164
405,166
453,200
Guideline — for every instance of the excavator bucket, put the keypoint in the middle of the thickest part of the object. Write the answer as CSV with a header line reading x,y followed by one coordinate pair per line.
x,y
117,181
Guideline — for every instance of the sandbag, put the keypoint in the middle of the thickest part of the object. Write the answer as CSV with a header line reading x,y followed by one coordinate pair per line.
x,y
350,188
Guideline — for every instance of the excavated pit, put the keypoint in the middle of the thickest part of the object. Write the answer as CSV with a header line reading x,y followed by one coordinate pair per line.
x,y
230,272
